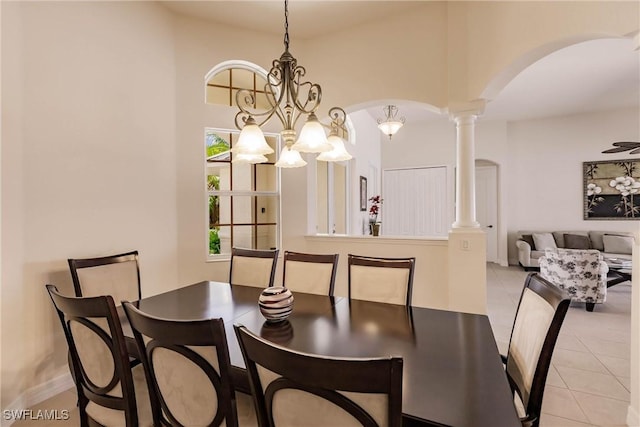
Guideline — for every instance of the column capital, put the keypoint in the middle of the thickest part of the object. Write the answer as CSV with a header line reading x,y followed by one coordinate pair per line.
x,y
465,111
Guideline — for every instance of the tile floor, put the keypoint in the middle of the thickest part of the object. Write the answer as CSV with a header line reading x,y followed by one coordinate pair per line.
x,y
588,383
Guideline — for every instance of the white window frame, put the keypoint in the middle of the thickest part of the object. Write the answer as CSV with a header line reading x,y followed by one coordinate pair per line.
x,y
276,193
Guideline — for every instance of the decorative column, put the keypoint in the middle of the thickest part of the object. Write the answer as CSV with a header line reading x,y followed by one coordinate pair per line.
x,y
467,251
465,166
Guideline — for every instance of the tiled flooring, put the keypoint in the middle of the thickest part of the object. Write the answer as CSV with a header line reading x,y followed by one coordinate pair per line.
x,y
588,384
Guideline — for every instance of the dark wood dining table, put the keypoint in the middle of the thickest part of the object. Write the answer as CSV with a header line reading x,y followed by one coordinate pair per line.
x,y
452,375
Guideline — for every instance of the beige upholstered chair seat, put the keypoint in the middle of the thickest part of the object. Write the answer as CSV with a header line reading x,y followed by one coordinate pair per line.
x,y
115,275
112,418
308,277
295,408
539,316
529,332
252,267
310,273
387,285
188,362
307,390
251,271
111,391
387,280
118,280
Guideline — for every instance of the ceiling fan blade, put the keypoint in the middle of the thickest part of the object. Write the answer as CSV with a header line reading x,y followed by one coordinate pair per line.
x,y
617,150
628,144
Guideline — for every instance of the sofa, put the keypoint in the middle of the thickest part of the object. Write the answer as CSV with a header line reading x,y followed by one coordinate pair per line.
x,y
612,244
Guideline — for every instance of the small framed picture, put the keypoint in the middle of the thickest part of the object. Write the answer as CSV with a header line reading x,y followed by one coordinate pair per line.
x,y
363,193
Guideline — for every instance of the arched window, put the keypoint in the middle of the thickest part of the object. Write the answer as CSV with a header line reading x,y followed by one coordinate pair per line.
x,y
243,199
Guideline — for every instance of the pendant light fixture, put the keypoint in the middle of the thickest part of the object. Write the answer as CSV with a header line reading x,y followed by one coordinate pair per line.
x,y
289,99
390,124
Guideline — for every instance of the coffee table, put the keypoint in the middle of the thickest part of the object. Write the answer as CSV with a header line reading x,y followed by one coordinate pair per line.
x,y
619,271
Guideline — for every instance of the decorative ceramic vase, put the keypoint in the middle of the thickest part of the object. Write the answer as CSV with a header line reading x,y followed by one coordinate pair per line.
x,y
375,228
276,303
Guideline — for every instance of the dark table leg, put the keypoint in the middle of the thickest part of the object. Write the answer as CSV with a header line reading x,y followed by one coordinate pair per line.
x,y
615,277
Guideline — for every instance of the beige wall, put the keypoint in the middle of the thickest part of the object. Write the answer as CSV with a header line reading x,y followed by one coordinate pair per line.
x,y
430,254
106,100
88,162
503,38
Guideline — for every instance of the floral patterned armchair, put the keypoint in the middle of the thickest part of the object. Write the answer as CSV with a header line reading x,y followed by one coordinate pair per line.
x,y
582,273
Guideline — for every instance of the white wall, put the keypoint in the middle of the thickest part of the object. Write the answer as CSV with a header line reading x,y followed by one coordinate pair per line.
x,y
366,154
88,152
539,165
433,143
545,160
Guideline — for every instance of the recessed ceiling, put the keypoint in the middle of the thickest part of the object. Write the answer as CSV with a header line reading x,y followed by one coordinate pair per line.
x,y
307,18
592,76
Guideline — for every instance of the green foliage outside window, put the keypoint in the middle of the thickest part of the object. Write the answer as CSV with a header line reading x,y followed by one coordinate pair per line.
x,y
213,183
214,242
215,144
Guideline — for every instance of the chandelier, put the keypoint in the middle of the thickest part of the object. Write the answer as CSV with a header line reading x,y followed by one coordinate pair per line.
x,y
289,99
390,125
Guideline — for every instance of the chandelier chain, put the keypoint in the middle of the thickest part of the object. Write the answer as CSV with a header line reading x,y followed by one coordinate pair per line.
x,y
286,25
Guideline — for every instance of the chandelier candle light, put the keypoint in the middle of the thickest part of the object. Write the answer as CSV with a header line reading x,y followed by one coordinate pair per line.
x,y
289,99
390,124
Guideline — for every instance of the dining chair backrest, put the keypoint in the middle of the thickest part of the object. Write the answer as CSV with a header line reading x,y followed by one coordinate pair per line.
x,y
253,267
109,391
115,275
388,280
541,311
292,389
188,366
310,273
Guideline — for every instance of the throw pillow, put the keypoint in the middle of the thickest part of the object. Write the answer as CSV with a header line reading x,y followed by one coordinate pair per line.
x,y
544,241
617,244
529,239
576,241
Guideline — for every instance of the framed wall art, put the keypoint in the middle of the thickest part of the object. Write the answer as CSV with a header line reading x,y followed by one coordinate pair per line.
x,y
363,193
611,189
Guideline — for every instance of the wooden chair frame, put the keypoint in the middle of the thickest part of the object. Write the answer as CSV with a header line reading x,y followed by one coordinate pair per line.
x,y
177,336
559,301
321,376
312,258
76,264
255,253
82,310
367,261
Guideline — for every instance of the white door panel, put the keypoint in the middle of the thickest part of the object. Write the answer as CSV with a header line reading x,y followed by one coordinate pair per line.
x,y
415,202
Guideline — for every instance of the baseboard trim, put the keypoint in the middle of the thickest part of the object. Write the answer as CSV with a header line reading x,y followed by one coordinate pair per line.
x,y
38,394
633,418
48,389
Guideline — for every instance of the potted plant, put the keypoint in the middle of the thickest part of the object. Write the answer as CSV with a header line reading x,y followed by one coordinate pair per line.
x,y
374,210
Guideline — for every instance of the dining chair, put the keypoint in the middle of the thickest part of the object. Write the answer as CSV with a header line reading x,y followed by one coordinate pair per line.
x,y
253,267
310,273
189,371
110,391
115,275
539,316
292,389
388,280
